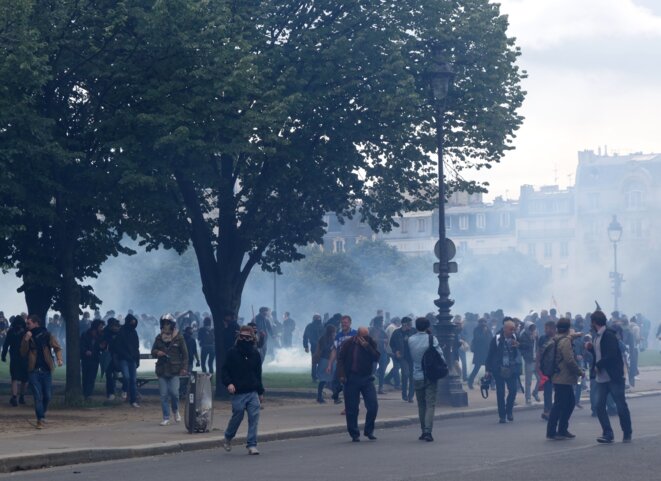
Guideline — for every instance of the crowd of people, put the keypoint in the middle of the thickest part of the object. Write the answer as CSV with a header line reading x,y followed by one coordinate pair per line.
x,y
553,355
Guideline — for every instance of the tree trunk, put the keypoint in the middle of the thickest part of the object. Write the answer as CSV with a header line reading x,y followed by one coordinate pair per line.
x,y
69,304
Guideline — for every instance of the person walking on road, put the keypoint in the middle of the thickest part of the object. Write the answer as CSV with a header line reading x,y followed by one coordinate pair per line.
x,y
171,355
425,390
242,376
566,375
354,365
311,335
38,346
504,364
400,347
608,371
480,348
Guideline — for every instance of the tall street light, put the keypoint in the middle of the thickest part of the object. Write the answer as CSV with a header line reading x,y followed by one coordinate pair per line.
x,y
614,235
450,391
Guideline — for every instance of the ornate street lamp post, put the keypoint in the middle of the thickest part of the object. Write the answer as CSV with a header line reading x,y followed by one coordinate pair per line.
x,y
450,391
614,235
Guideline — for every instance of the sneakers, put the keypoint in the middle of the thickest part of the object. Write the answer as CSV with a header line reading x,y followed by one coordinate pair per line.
x,y
252,450
165,422
605,440
135,405
427,437
536,396
40,424
227,445
124,396
177,417
21,399
13,401
111,397
568,435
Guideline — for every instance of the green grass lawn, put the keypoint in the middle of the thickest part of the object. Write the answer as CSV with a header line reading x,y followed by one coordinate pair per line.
x,y
275,380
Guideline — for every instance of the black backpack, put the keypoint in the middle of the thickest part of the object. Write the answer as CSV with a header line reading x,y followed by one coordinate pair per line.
x,y
548,358
434,366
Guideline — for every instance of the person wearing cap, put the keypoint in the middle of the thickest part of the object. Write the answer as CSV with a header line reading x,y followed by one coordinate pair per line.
x,y
242,375
172,359
566,375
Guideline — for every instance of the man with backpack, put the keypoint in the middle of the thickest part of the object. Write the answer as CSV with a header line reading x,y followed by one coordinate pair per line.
x,y
566,372
424,379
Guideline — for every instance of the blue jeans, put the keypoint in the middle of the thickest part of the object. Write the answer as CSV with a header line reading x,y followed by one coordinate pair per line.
x,y
41,386
505,407
603,389
241,403
168,387
353,388
128,369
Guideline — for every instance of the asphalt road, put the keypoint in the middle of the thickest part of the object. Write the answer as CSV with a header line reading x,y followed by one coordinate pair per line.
x,y
476,448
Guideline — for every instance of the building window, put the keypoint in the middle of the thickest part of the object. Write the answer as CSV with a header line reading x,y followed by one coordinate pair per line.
x,y
404,226
338,245
593,200
422,225
481,221
634,199
564,249
448,222
548,250
531,250
463,222
636,228
504,220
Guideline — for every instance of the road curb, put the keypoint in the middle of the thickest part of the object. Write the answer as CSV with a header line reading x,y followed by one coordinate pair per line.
x,y
49,459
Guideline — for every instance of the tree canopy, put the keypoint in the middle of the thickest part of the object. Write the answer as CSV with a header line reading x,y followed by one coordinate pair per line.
x,y
236,126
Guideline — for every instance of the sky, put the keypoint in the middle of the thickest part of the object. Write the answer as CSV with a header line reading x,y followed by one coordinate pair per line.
x,y
594,77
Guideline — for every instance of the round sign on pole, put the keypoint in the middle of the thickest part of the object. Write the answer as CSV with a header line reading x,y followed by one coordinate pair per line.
x,y
449,245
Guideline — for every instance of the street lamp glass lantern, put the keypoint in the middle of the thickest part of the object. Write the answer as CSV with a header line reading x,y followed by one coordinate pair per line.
x,y
615,230
441,74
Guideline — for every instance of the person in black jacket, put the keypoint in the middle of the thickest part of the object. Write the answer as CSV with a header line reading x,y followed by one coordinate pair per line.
x,y
480,348
191,347
207,339
399,344
354,367
608,371
90,355
126,348
18,365
504,364
242,375
311,336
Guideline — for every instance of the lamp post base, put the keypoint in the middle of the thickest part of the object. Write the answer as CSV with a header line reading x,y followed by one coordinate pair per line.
x,y
450,390
451,393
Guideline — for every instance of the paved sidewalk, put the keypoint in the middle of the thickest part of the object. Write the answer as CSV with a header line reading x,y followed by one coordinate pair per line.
x,y
65,442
